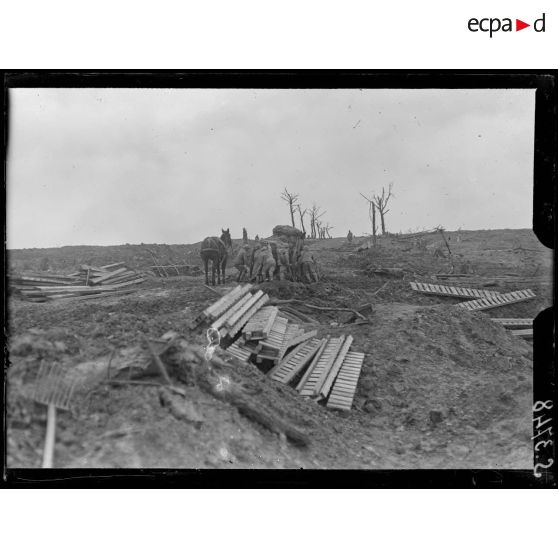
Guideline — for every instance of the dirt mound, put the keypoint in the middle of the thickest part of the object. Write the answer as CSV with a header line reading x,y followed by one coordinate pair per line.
x,y
437,375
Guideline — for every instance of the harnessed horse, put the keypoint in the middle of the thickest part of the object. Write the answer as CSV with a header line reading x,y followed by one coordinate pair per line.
x,y
216,250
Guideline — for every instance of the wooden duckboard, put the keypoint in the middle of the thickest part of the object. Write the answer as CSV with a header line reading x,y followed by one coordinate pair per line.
x,y
496,301
448,290
345,385
295,361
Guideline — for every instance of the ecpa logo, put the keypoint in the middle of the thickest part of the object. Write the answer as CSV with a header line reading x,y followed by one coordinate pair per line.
x,y
494,24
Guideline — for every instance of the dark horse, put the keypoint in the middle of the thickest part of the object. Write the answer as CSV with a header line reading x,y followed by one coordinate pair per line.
x,y
216,250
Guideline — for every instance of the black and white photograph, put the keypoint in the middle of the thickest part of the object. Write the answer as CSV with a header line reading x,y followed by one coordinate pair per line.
x,y
278,277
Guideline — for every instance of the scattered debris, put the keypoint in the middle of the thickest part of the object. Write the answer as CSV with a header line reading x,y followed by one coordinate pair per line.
x,y
52,389
267,337
179,407
88,282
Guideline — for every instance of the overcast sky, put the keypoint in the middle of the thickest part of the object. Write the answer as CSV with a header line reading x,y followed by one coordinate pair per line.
x,y
110,166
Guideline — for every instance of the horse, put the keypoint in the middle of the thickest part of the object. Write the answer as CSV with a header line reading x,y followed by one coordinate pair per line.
x,y
216,250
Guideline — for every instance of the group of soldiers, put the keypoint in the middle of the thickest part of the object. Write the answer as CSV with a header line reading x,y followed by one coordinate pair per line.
x,y
266,260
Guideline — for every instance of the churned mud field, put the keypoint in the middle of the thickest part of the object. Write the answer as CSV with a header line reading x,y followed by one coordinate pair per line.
x,y
441,387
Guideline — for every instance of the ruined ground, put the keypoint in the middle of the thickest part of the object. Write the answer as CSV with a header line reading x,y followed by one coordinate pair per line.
x,y
440,387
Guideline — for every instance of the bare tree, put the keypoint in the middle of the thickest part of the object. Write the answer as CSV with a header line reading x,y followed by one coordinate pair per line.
x,y
301,214
372,215
381,203
327,228
315,215
291,200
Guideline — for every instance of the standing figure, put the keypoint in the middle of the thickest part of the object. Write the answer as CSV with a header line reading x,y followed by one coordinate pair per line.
x,y
268,264
258,259
350,237
285,271
244,235
241,262
308,266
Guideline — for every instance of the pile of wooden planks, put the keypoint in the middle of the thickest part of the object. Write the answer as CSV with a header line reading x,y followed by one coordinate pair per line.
x,y
323,369
86,283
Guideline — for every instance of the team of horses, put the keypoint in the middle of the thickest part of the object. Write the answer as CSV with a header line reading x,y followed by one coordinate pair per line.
x,y
257,261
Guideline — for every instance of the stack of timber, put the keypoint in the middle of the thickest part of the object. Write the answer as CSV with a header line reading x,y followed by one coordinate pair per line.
x,y
86,283
326,370
323,369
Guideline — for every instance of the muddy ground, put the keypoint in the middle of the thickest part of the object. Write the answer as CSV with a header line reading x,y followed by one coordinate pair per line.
x,y
440,387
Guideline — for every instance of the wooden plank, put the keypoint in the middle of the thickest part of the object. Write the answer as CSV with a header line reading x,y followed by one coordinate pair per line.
x,y
108,275
341,395
525,333
108,266
500,300
219,322
330,376
295,361
92,296
211,310
513,322
321,367
313,363
235,316
250,312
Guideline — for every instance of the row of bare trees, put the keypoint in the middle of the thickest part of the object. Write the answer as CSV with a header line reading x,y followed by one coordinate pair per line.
x,y
377,206
318,229
378,202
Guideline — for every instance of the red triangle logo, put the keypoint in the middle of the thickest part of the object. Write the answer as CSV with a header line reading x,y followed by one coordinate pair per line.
x,y
519,25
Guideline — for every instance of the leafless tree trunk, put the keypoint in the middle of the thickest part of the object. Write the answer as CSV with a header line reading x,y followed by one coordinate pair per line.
x,y
291,200
301,214
372,216
381,203
315,214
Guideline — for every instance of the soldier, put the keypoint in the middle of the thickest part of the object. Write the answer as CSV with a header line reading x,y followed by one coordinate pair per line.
x,y
308,266
350,237
257,262
284,265
241,262
244,235
268,266
264,264
252,251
